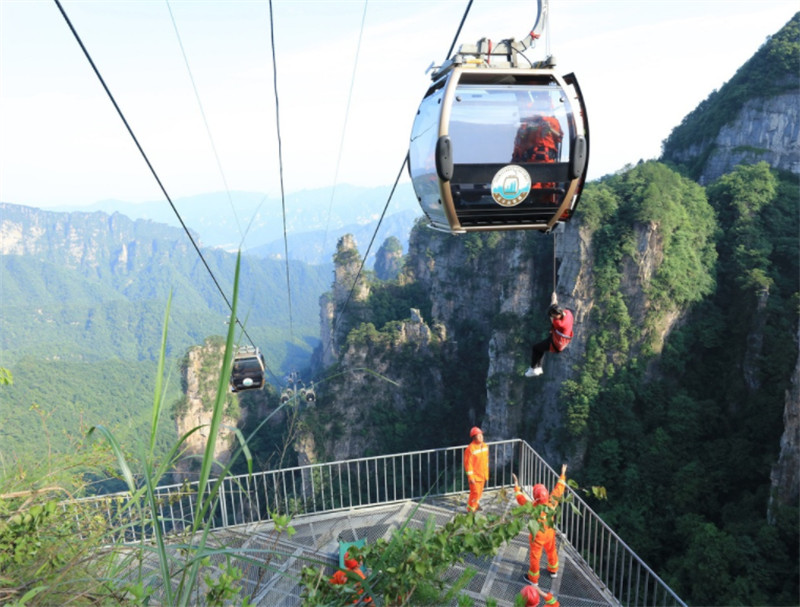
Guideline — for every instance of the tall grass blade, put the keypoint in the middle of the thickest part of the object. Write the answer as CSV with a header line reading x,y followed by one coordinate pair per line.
x,y
158,396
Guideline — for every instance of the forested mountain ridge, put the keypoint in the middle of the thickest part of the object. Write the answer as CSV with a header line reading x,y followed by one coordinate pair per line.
x,y
673,393
753,117
82,308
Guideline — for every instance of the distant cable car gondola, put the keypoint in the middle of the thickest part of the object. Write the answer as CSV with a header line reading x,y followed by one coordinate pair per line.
x,y
308,394
496,146
249,370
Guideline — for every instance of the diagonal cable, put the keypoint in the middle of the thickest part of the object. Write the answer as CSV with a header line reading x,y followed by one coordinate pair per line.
x,y
344,126
458,31
205,120
149,165
366,255
280,168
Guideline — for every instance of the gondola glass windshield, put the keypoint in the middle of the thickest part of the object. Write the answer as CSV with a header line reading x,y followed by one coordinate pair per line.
x,y
497,156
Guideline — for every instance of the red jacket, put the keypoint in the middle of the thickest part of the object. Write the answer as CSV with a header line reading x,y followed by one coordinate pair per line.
x,y
561,332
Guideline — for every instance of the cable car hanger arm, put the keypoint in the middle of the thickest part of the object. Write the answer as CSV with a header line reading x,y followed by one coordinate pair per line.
x,y
536,30
484,49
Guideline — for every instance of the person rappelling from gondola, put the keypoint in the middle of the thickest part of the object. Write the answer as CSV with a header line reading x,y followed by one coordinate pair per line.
x,y
545,537
561,320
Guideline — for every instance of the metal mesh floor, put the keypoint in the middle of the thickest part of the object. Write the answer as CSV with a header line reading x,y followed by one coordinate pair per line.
x,y
315,543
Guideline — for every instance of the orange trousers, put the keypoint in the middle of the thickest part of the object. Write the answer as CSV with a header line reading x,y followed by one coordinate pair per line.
x,y
475,492
544,540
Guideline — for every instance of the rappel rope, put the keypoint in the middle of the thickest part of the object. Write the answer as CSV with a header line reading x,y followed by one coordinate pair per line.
x,y
555,279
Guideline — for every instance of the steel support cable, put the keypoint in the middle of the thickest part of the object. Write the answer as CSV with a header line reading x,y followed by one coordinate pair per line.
x,y
205,120
147,161
280,168
344,126
391,193
458,31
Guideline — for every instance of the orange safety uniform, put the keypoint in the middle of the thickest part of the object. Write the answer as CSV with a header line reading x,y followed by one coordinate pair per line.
x,y
545,539
340,577
531,596
538,140
476,465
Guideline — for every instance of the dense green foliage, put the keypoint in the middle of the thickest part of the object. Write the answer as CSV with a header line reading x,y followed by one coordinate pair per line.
x,y
409,568
681,430
51,404
89,552
686,457
389,301
42,559
622,209
773,70
80,320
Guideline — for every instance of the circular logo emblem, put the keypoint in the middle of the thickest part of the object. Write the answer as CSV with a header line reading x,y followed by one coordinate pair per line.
x,y
511,185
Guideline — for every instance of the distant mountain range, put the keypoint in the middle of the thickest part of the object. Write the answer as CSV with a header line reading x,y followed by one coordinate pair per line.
x,y
315,219
83,295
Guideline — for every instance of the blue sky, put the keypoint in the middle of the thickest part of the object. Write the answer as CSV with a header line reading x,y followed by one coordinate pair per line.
x,y
347,95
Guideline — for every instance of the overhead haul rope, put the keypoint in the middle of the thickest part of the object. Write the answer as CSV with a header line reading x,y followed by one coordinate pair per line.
x,y
344,126
458,31
205,120
336,321
149,165
280,168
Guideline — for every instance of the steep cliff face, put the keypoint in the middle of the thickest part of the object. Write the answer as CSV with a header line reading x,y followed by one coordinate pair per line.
x,y
785,475
488,295
375,386
96,243
481,289
763,130
200,377
349,285
389,259
754,117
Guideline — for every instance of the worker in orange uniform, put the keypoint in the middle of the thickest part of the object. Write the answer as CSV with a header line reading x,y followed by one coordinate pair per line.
x,y
340,577
476,465
539,134
538,137
531,596
538,140
545,538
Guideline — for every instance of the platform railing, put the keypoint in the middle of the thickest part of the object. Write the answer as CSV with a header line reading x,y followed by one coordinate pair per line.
x,y
383,480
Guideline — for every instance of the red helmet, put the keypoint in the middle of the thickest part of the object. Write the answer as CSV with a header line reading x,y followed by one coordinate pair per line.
x,y
339,577
350,562
540,494
475,430
530,595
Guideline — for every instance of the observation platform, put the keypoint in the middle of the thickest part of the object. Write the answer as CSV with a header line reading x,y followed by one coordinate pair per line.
x,y
371,497
317,536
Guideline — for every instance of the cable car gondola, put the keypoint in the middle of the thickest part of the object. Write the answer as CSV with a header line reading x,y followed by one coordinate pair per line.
x,y
249,370
496,146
